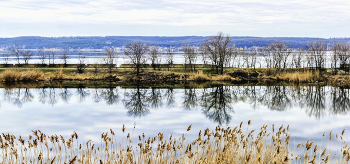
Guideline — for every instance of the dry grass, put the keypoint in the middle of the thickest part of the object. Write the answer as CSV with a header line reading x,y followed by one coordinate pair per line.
x,y
59,74
198,77
201,77
27,75
222,145
222,78
301,77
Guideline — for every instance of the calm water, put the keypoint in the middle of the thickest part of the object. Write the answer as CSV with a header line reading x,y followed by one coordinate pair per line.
x,y
309,110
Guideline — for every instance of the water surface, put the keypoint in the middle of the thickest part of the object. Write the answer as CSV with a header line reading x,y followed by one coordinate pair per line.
x,y
309,110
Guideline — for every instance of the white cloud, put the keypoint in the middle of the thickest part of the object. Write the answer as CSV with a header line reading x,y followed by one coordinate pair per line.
x,y
264,16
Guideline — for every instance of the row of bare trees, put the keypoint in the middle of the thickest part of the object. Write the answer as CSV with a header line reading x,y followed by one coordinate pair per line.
x,y
218,51
139,53
18,54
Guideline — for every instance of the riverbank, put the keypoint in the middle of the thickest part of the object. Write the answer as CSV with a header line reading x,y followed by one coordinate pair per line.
x,y
231,75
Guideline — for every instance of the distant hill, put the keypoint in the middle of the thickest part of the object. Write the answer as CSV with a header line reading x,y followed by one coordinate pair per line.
x,y
97,42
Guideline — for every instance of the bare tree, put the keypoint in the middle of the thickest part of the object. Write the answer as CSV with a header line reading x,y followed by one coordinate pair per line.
x,y
136,51
190,54
240,57
233,56
253,57
16,50
81,62
96,65
266,53
6,56
298,58
203,54
317,50
246,56
154,56
169,57
218,50
65,56
334,57
42,56
51,54
280,54
26,55
109,58
341,51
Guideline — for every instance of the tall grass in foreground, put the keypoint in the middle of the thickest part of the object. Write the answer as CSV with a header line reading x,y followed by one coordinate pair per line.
x,y
27,75
222,145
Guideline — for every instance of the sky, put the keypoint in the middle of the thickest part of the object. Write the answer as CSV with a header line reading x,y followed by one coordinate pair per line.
x,y
274,18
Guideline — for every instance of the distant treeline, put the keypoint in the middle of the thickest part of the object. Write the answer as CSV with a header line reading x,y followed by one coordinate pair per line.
x,y
98,42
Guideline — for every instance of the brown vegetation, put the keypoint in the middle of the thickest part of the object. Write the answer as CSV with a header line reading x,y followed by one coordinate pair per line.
x,y
241,75
27,75
222,145
301,77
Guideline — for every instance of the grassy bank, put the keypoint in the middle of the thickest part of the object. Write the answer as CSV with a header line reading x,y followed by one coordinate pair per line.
x,y
222,145
233,75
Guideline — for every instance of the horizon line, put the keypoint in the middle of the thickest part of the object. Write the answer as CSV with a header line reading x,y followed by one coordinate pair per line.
x,y
170,36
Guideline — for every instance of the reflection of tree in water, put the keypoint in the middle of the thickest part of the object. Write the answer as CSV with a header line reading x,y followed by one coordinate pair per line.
x,y
190,98
155,98
47,95
52,100
237,94
169,95
340,102
65,95
28,96
276,98
17,96
135,101
249,95
110,95
216,104
97,95
42,95
82,93
315,101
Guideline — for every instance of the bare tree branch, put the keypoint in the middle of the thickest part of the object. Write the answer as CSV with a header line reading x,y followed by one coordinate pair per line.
x,y
136,51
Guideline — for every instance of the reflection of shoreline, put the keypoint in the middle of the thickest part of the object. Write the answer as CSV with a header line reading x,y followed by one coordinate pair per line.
x,y
216,102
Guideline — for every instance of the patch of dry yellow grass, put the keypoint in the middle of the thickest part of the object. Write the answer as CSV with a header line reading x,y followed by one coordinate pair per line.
x,y
27,75
222,145
222,78
300,77
199,76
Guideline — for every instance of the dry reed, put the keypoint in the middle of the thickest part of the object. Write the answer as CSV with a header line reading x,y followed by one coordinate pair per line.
x,y
222,78
222,145
27,75
199,76
301,77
